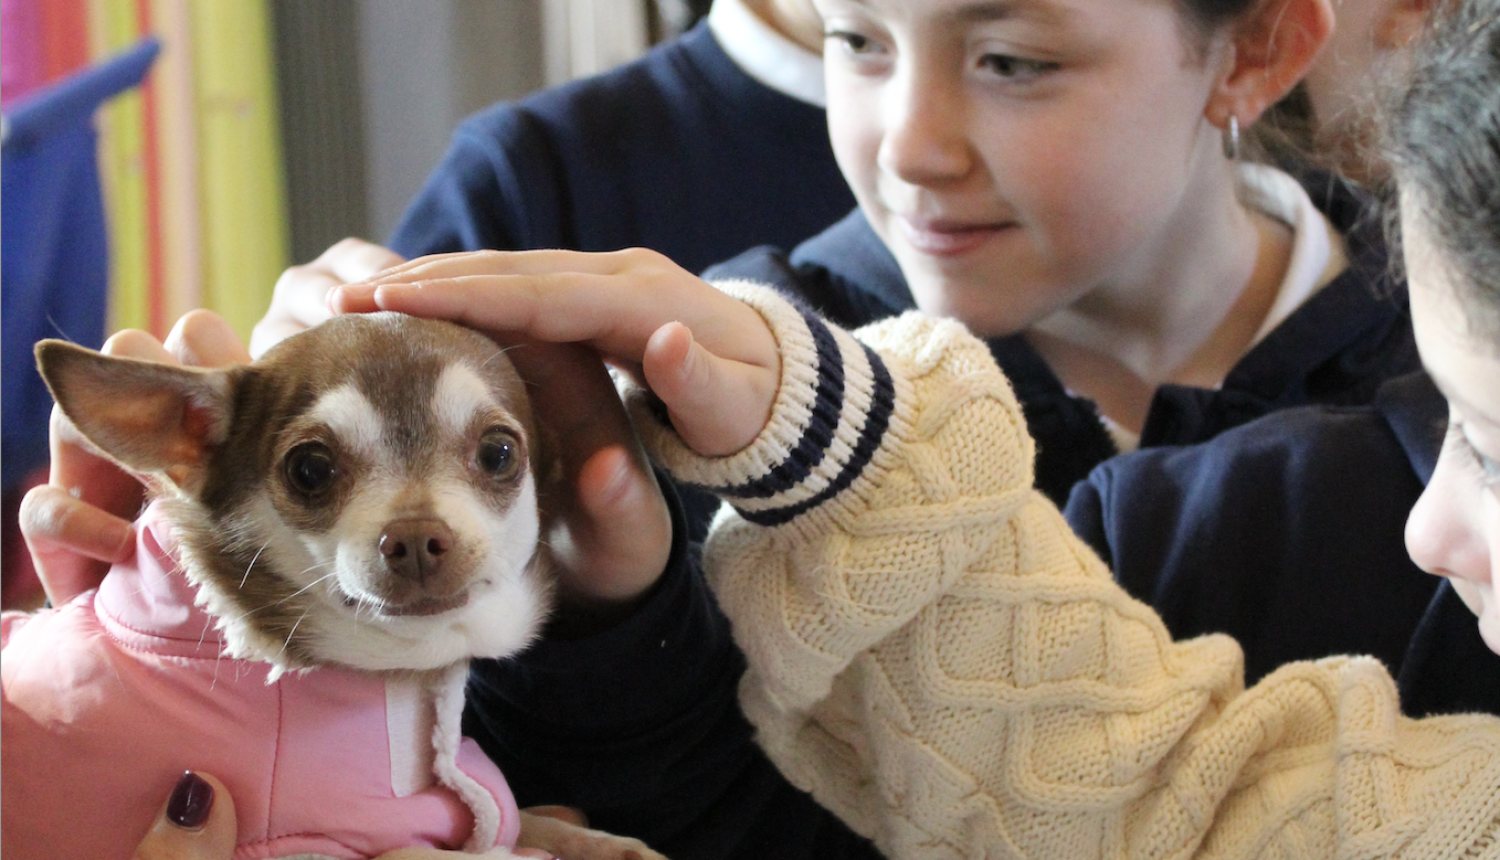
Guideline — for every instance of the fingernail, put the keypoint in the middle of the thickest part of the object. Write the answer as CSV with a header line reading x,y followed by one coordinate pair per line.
x,y
192,800
618,485
342,297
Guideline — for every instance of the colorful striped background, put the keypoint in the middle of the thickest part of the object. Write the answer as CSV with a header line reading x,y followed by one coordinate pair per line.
x,y
190,162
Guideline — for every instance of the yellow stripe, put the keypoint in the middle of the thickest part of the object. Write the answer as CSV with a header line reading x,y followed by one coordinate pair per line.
x,y
121,124
243,206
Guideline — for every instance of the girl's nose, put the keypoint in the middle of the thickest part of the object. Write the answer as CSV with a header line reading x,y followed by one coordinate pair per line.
x,y
924,140
1443,536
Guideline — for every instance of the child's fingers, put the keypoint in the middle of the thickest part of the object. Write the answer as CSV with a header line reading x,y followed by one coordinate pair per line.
x,y
538,262
613,301
614,532
72,542
133,343
560,308
301,297
352,259
621,533
205,339
716,406
196,823
299,302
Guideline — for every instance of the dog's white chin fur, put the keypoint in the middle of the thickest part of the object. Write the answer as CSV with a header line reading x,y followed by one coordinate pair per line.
x,y
505,610
497,621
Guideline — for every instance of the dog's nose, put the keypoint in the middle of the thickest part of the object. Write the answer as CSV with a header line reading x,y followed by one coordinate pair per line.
x,y
414,549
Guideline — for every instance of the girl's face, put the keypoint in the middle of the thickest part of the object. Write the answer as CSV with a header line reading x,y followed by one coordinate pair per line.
x,y
1017,154
1454,530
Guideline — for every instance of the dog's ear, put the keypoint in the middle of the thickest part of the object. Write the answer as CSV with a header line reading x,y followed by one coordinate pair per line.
x,y
157,419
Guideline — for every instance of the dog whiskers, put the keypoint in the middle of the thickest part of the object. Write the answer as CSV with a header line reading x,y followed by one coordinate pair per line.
x,y
499,351
293,631
304,588
309,585
251,566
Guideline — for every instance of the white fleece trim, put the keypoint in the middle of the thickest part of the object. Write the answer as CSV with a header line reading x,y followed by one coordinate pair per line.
x,y
409,727
448,703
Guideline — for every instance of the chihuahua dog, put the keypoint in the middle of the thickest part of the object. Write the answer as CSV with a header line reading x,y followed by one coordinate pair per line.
x,y
337,530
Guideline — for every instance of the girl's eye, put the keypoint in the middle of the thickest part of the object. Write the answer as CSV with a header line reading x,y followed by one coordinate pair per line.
x,y
1014,68
854,43
1489,469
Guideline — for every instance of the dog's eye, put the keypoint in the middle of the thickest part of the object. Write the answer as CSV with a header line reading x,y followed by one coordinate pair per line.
x,y
497,453
310,468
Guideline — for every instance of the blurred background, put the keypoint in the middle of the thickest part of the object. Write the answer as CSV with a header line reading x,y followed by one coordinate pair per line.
x,y
268,129
163,155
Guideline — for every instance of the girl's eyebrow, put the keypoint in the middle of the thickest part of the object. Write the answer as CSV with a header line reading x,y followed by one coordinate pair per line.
x,y
983,11
1474,418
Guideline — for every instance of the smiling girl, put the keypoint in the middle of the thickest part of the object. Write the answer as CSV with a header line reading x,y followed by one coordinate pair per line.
x,y
1053,174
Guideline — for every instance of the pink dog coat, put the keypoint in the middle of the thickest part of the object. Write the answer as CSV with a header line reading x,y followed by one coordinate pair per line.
x,y
108,699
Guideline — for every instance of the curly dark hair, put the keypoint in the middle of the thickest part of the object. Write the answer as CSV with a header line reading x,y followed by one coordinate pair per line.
x,y
1442,139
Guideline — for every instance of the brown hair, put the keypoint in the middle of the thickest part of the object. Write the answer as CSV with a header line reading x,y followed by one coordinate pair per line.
x,y
1442,139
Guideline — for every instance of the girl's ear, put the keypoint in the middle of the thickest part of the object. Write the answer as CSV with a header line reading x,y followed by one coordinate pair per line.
x,y
1269,52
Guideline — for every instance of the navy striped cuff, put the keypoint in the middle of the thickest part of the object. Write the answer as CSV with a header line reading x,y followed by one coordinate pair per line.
x,y
832,412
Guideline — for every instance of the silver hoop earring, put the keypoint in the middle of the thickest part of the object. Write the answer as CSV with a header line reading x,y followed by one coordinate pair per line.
x,y
1232,138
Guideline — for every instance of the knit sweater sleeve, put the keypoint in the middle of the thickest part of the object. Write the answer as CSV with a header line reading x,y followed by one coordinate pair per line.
x,y
937,659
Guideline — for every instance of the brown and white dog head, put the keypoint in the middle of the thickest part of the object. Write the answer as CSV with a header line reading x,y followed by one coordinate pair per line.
x,y
366,494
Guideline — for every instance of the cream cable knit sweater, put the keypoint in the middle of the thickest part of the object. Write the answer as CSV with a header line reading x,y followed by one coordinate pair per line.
x,y
941,663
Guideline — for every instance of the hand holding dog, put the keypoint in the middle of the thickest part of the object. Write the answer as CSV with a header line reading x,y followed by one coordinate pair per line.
x,y
197,822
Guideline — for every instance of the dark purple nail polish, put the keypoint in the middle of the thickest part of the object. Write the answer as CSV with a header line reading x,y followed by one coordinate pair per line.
x,y
192,800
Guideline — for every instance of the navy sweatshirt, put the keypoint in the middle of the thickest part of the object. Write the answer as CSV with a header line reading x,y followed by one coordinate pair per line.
x,y
1288,534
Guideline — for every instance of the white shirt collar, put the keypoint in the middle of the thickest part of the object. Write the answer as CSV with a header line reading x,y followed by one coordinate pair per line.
x,y
766,55
1318,250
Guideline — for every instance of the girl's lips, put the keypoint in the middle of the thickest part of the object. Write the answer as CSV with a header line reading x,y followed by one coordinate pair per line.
x,y
947,238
